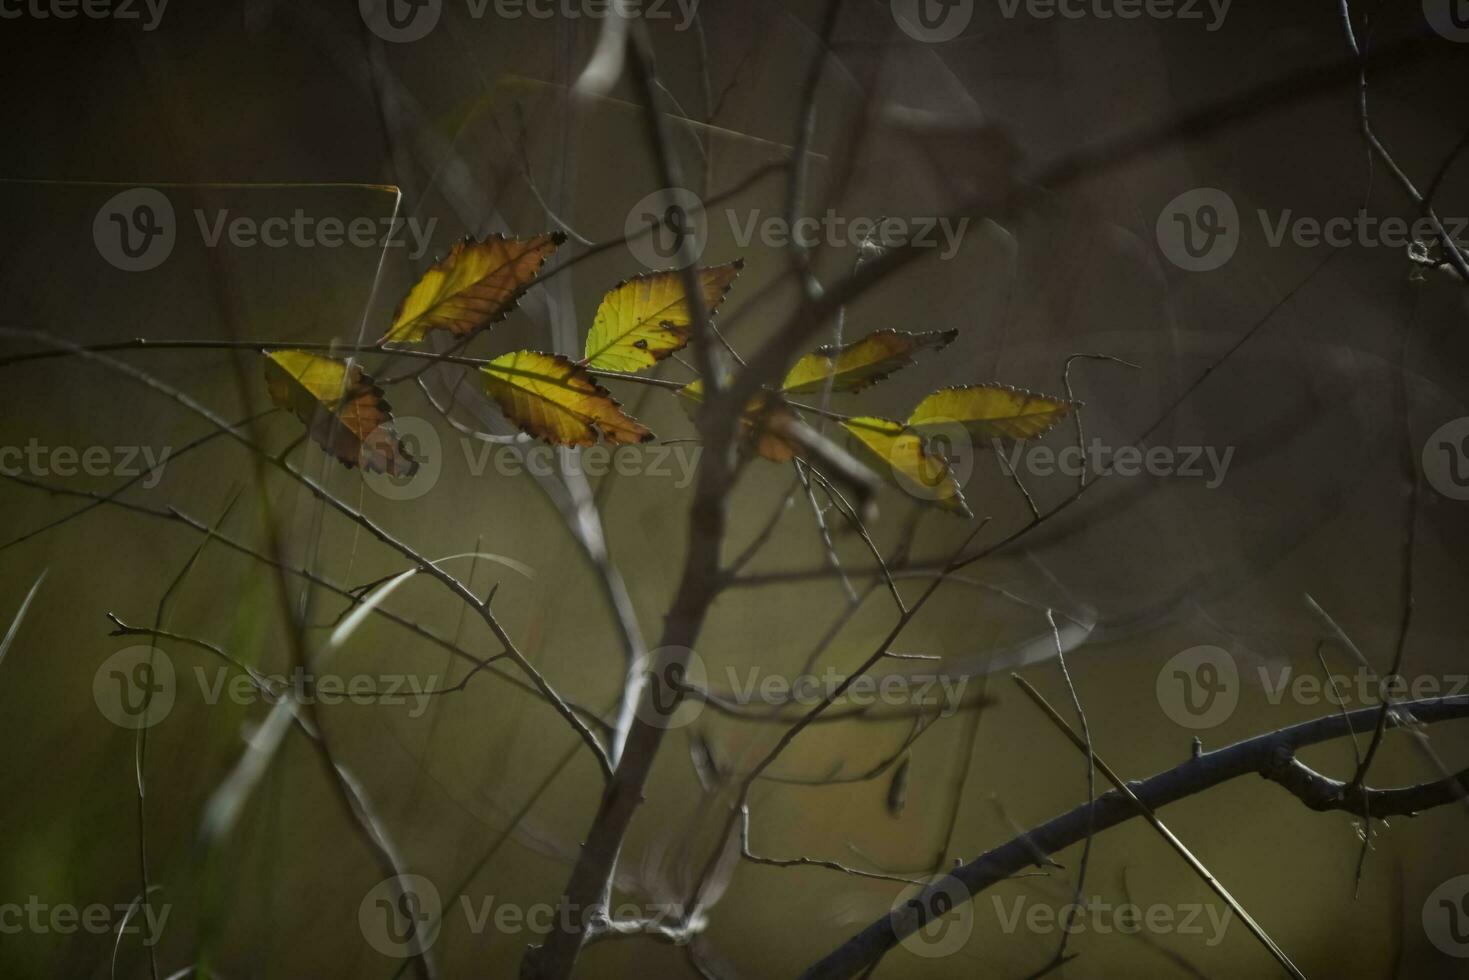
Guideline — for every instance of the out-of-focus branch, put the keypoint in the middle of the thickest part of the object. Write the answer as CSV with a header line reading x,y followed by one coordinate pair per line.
x,y
1451,250
584,900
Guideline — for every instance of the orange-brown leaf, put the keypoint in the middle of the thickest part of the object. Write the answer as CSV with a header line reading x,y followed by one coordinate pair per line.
x,y
760,423
342,409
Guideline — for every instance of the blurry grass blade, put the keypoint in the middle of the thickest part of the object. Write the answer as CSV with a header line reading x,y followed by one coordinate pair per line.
x,y
229,798
19,616
508,562
364,609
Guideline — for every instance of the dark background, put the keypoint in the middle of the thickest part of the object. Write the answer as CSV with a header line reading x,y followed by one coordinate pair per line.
x,y
1316,501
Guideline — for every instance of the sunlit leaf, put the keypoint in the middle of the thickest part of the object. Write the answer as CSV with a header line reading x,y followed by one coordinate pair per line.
x,y
644,319
554,399
759,422
343,410
474,285
862,363
905,458
991,411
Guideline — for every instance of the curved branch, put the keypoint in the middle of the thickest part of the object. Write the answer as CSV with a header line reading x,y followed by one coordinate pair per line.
x,y
1271,755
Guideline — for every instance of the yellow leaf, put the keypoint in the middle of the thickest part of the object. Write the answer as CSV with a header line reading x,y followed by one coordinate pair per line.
x,y
862,363
759,423
644,319
991,411
906,459
342,409
555,399
474,285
